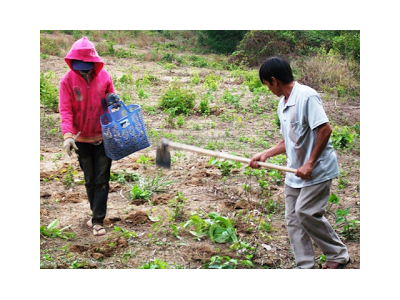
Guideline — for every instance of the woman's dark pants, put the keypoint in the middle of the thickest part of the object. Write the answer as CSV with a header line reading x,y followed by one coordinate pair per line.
x,y
96,168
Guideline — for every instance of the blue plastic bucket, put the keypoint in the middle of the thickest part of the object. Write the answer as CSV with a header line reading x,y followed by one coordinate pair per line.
x,y
123,130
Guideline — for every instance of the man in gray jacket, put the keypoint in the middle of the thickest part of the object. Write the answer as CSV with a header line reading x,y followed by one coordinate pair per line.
x,y
306,141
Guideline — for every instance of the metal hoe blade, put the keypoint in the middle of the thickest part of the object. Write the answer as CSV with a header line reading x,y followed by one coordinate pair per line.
x,y
163,156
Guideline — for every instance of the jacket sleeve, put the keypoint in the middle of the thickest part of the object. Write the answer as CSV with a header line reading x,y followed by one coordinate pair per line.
x,y
66,111
110,87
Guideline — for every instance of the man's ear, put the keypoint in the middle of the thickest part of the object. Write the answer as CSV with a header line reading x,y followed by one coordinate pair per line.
x,y
274,81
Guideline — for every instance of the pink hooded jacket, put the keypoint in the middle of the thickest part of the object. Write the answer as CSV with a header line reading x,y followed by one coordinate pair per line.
x,y
80,102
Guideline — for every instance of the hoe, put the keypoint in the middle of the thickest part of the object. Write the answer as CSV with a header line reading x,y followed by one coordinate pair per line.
x,y
163,156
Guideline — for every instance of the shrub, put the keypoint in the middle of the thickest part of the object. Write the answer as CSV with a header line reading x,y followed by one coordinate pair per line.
x,y
221,41
329,73
48,91
348,45
342,137
180,99
197,61
211,81
48,46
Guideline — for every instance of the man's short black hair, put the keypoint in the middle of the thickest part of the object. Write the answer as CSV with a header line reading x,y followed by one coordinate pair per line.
x,y
276,67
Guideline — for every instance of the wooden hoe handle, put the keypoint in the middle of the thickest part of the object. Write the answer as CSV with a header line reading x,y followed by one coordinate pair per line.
x,y
217,154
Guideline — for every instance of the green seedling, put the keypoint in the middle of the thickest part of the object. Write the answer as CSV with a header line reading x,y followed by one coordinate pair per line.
x,y
147,186
175,231
155,264
180,121
322,259
265,226
217,228
178,204
196,78
125,233
333,199
204,107
144,160
276,176
211,81
342,137
124,176
51,231
225,262
69,176
349,227
341,181
142,94
221,262
229,98
138,193
224,165
78,265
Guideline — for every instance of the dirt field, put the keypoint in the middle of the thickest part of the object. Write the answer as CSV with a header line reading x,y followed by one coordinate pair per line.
x,y
257,215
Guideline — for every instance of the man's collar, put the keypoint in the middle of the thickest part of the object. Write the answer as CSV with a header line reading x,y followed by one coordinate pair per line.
x,y
292,98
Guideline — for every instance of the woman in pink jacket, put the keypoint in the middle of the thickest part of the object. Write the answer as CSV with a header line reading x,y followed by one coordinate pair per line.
x,y
81,92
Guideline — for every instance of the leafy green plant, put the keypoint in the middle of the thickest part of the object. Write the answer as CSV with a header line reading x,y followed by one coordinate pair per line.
x,y
48,91
51,231
322,259
265,226
225,262
169,66
69,176
217,228
142,94
170,119
195,78
221,229
78,265
200,226
333,199
271,206
126,79
221,262
276,176
148,186
349,228
138,193
197,61
49,46
253,82
231,99
155,264
178,204
124,176
342,182
342,137
204,107
125,233
224,165
178,98
144,160
180,121
211,81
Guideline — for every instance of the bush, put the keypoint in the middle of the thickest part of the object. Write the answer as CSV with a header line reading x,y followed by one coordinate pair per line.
x,y
182,100
329,73
348,45
49,47
342,137
257,45
48,91
221,41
